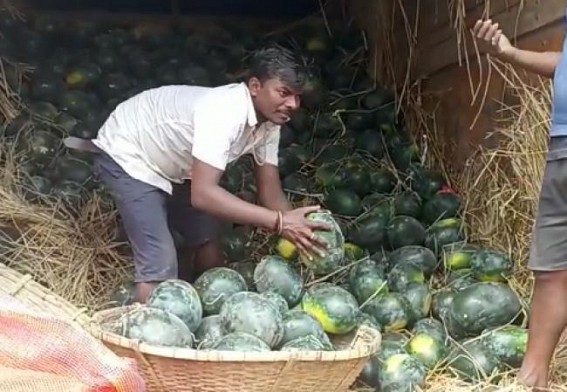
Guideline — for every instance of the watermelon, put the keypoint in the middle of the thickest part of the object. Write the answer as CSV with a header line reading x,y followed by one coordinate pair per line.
x,y
489,265
367,280
306,343
473,361
444,233
241,341
481,306
408,204
332,306
370,373
419,297
427,349
430,327
334,254
253,314
343,202
402,275
405,230
277,300
274,274
507,343
216,285
155,326
383,181
442,205
391,310
370,231
402,373
441,302
416,255
209,332
298,323
458,256
179,298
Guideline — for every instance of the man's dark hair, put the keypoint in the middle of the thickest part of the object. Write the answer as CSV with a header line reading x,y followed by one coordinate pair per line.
x,y
276,61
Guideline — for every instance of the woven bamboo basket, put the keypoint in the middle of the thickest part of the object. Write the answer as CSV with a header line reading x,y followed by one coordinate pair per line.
x,y
30,292
188,370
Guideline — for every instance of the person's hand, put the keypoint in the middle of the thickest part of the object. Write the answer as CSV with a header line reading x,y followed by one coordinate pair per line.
x,y
490,38
297,229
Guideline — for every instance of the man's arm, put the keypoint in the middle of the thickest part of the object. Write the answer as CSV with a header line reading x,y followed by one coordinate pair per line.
x,y
541,63
491,40
208,195
270,192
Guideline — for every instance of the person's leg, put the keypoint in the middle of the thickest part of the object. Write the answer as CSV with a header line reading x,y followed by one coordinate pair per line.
x,y
199,230
548,261
143,211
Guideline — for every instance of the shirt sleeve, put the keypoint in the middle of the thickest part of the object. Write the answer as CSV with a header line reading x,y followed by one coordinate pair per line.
x,y
213,135
267,151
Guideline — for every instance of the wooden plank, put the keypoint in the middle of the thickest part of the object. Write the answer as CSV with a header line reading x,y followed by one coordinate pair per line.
x,y
516,22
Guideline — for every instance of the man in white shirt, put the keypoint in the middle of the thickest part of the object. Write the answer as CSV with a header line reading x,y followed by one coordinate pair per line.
x,y
162,153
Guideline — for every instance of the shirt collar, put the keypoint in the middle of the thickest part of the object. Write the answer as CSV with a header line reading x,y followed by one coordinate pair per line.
x,y
252,119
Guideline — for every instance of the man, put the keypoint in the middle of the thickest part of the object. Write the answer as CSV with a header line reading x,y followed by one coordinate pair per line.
x,y
162,153
548,253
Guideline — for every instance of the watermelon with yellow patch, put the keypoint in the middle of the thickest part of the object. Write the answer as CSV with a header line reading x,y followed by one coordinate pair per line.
x,y
427,349
402,373
391,310
334,254
335,308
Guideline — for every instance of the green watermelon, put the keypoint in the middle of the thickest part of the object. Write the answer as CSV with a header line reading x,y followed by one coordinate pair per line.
x,y
334,254
402,275
408,204
427,349
473,361
430,327
155,326
298,323
402,373
274,274
441,302
489,265
366,280
416,255
241,341
343,202
391,310
277,300
179,298
419,297
444,233
405,230
334,307
442,205
253,314
383,181
507,343
481,306
306,343
209,332
216,285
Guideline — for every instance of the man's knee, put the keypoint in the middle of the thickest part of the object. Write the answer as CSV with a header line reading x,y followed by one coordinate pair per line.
x,y
555,276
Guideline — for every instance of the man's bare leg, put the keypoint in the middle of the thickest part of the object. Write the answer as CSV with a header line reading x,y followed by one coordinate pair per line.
x,y
142,291
548,319
207,256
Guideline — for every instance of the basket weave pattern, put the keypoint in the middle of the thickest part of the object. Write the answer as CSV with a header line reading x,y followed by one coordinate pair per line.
x,y
179,369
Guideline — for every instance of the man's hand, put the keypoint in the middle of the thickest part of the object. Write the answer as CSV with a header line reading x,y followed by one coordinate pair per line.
x,y
300,231
491,39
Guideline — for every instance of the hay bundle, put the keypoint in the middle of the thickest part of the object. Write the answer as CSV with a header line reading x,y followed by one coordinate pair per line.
x,y
72,254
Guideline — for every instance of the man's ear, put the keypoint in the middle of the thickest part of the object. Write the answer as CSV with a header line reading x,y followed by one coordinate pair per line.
x,y
254,85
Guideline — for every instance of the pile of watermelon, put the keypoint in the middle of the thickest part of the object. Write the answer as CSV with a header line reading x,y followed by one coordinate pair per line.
x,y
400,259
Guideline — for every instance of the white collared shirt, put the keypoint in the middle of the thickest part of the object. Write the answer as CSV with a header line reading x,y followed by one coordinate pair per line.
x,y
154,135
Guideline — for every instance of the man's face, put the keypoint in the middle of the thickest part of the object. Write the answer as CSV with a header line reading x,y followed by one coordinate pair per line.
x,y
273,100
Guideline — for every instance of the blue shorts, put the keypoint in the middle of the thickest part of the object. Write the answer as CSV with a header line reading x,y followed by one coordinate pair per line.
x,y
147,214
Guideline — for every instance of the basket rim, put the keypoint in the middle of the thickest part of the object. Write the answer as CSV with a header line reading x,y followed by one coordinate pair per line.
x,y
24,288
370,340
